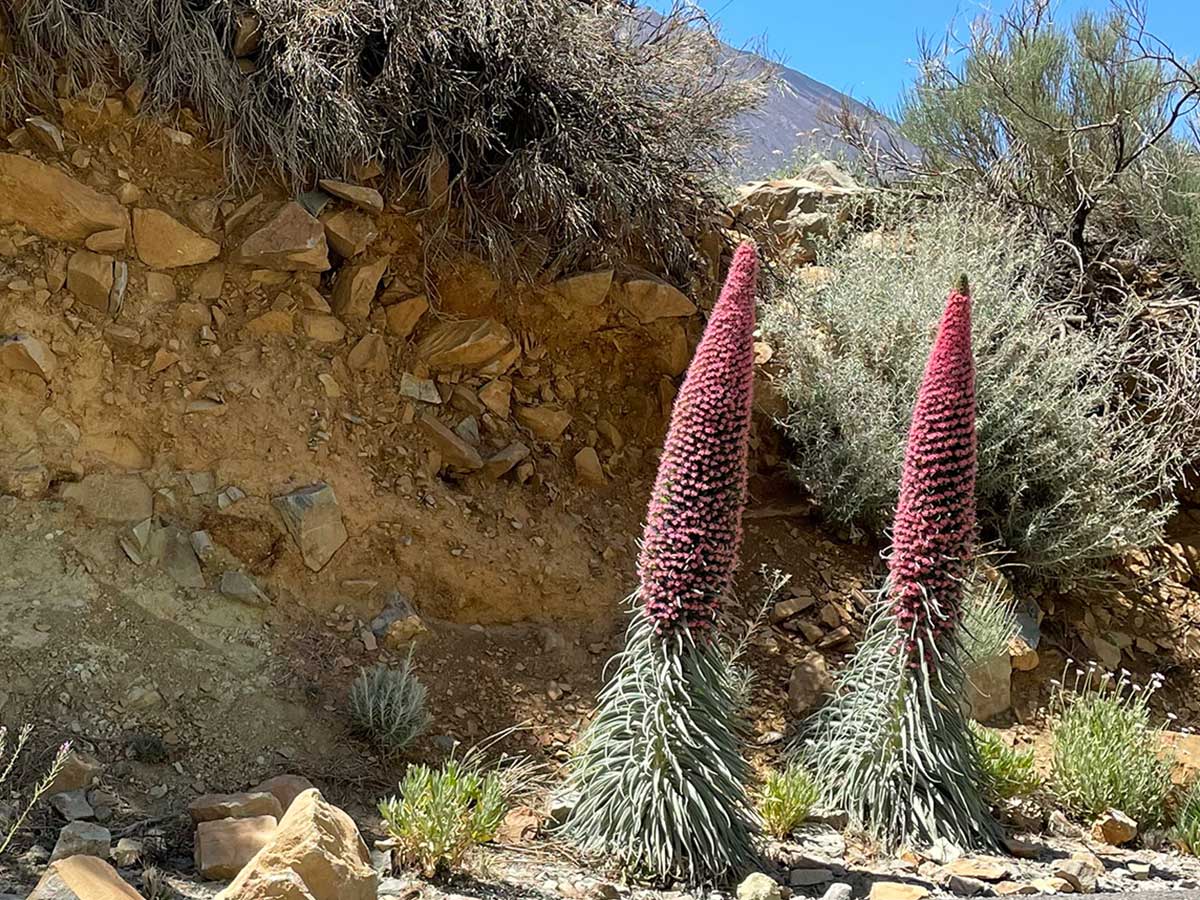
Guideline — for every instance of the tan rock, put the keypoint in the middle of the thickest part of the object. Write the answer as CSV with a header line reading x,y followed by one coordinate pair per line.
x,y
520,826
365,198
978,868
286,788
90,278
78,772
547,423
210,807
111,241
25,353
82,878
896,890
271,322
1024,658
1080,871
56,430
51,203
160,287
499,464
292,241
163,360
349,233
369,355
321,846
586,289
193,315
455,452
112,498
314,520
210,282
587,466
356,287
496,395
650,299
809,683
1115,828
320,327
1184,750
1051,885
1014,888
310,298
790,608
816,276
989,687
674,351
467,344
163,242
402,317
223,847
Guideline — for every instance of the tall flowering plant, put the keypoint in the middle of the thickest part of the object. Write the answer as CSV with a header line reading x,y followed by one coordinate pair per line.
x,y
659,772
893,745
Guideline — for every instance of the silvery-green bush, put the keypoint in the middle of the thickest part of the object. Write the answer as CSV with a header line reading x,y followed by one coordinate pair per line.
x,y
1072,470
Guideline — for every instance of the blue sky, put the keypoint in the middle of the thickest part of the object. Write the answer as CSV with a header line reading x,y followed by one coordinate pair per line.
x,y
863,47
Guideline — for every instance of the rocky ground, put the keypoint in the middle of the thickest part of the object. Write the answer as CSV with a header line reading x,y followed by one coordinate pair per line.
x,y
250,442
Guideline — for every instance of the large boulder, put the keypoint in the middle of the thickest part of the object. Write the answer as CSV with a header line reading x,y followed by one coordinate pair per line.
x,y
224,846
317,847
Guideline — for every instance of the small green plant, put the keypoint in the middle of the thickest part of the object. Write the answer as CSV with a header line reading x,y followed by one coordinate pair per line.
x,y
786,799
440,815
388,705
1106,751
39,790
1008,773
1187,828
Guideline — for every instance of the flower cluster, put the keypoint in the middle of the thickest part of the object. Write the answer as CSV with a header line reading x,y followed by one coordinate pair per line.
x,y
693,526
935,515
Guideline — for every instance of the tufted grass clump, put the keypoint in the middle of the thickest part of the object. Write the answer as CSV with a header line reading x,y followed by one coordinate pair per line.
x,y
1186,833
1107,752
388,706
9,758
1009,773
1073,471
786,799
440,815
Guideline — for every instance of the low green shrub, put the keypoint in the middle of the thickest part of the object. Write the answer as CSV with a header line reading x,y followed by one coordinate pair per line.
x,y
1009,773
1072,471
1186,833
786,799
388,706
440,815
1107,753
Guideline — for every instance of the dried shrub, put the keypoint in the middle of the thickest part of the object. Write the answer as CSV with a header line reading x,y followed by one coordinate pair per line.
x,y
582,128
1073,469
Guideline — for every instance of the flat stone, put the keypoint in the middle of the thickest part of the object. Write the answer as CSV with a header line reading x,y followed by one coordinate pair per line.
x,y
314,520
962,886
422,390
1051,885
110,241
292,241
72,805
90,278
171,548
356,287
240,587
896,890
586,289
370,354
587,466
496,395
45,133
211,807
502,462
112,498
809,877
82,839
78,772
365,198
51,203
977,867
285,788
349,232
467,344
25,353
160,287
809,683
547,423
757,886
402,317
1014,889
324,328
274,321
1115,828
456,452
82,877
650,299
223,847
164,242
